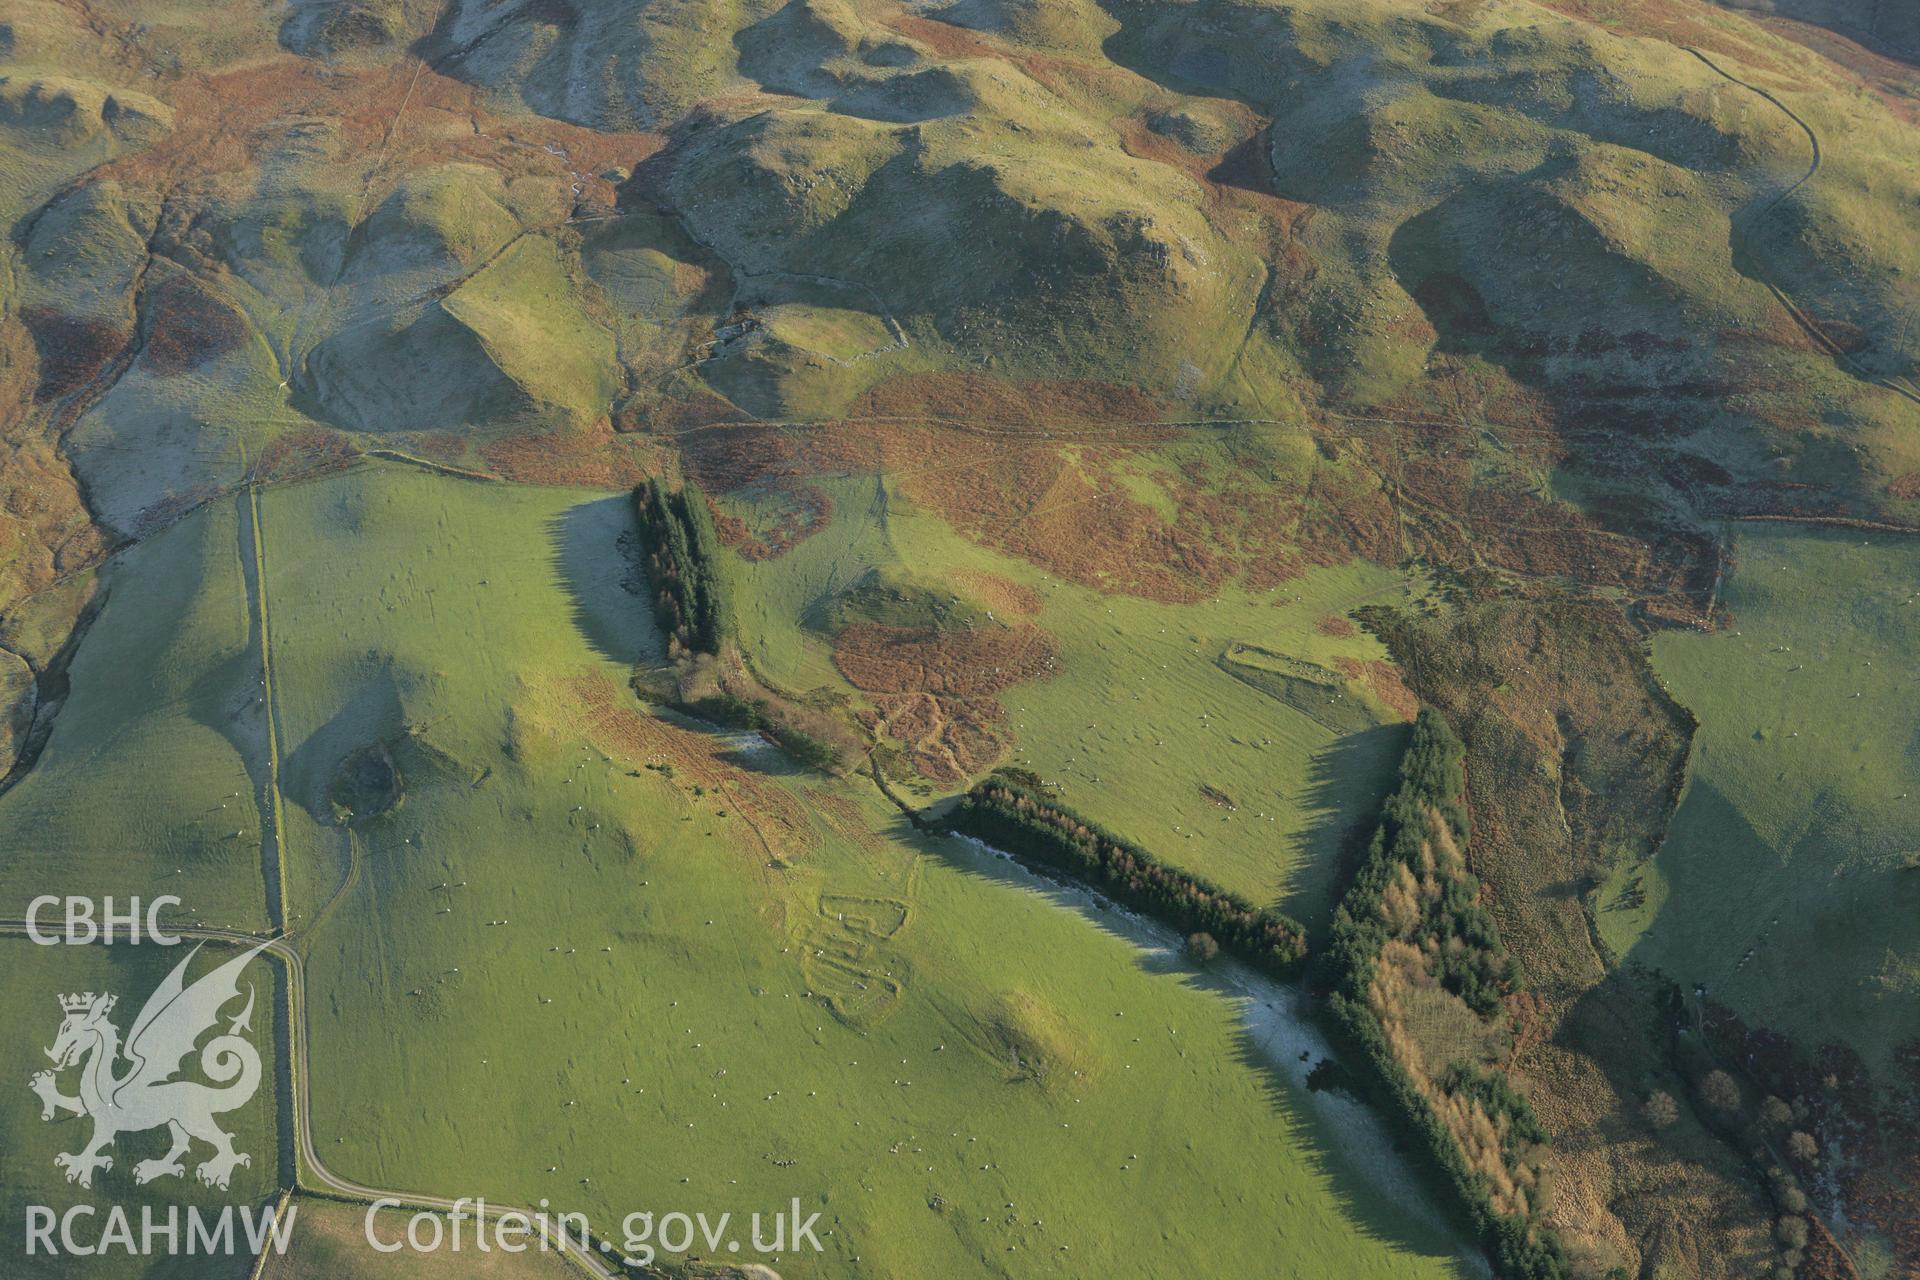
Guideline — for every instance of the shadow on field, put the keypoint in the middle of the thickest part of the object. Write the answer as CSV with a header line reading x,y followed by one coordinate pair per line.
x,y
595,555
1346,785
1388,1185
369,711
746,749
1386,1189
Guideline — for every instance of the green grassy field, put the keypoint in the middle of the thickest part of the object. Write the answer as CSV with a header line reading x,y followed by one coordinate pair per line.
x,y
643,1020
1786,857
28,1176
152,779
715,987
381,585
1140,716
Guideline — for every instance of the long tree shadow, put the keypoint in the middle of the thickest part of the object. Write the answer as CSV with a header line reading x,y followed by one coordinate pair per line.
x,y
595,553
371,711
1387,1193
1346,784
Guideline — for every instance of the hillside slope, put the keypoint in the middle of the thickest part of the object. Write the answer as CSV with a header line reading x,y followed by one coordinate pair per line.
x,y
1525,359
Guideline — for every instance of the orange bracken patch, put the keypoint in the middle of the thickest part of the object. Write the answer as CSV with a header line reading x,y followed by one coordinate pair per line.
x,y
596,458
1002,595
611,718
189,326
1384,679
985,660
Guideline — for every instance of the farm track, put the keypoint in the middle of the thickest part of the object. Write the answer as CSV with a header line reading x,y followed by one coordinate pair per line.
x,y
347,882
1800,317
297,1033
273,859
280,939
437,468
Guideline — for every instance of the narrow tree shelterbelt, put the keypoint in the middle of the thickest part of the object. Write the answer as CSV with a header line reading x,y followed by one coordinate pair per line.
x,y
1414,950
690,601
1036,829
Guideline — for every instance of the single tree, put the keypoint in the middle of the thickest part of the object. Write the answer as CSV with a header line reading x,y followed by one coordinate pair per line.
x,y
1661,1109
1802,1147
1720,1091
1202,948
1775,1113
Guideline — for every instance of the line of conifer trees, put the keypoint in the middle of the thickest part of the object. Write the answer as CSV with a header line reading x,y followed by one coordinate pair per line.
x,y
1432,789
1035,828
690,601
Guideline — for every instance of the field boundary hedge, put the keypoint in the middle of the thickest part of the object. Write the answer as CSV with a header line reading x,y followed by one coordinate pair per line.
x,y
1036,828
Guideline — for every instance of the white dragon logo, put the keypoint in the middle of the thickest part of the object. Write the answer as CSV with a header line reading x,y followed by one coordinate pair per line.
x,y
146,1096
